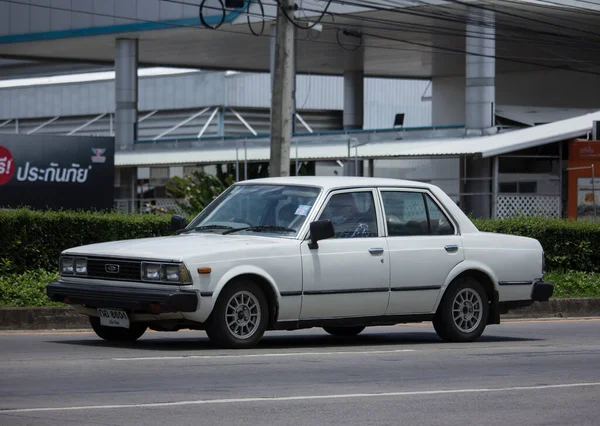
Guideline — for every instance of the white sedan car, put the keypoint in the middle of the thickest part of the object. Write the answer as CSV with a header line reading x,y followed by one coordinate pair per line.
x,y
341,253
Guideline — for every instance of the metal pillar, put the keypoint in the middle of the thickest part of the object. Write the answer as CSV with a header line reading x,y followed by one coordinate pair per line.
x,y
126,103
480,73
354,90
495,186
126,92
354,101
272,56
479,191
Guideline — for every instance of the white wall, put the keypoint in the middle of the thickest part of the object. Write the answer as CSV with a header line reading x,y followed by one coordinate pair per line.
x,y
434,171
448,103
549,89
561,89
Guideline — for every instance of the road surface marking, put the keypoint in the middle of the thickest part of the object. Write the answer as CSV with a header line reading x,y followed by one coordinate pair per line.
x,y
297,398
263,355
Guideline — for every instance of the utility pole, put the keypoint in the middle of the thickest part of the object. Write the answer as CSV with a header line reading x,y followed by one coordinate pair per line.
x,y
284,76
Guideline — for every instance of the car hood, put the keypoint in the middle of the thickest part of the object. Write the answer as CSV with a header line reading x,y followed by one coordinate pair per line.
x,y
180,247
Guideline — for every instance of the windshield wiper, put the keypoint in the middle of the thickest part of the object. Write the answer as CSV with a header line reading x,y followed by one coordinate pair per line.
x,y
201,228
261,228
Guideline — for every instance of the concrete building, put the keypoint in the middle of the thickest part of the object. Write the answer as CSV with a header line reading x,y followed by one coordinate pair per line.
x,y
491,65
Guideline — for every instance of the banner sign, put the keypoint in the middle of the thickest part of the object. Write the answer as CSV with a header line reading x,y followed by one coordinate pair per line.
x,y
68,172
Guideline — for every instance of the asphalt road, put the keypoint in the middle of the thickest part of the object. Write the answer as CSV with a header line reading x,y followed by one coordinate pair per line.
x,y
519,373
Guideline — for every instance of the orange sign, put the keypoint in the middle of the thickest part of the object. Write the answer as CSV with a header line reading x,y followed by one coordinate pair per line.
x,y
584,160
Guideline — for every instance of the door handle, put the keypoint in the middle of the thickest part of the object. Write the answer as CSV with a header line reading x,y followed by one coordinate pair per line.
x,y
451,248
376,250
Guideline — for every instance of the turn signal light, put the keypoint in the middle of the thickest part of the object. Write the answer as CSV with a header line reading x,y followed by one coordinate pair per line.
x,y
204,271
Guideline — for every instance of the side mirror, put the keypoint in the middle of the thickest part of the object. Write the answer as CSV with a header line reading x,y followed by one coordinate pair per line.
x,y
178,223
320,230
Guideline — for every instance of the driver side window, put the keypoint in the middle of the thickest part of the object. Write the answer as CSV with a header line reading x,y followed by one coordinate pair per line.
x,y
352,215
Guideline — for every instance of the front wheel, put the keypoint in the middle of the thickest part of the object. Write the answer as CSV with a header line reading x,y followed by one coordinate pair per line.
x,y
118,334
239,318
463,312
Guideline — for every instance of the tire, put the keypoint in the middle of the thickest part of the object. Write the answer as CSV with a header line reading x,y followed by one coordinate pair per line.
x,y
466,295
118,334
344,331
246,300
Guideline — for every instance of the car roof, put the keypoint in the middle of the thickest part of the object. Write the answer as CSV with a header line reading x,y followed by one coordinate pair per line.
x,y
335,182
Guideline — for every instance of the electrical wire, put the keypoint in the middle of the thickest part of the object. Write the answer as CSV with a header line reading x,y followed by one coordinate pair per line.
x,y
524,62
376,6
201,15
427,47
352,34
293,21
262,21
576,41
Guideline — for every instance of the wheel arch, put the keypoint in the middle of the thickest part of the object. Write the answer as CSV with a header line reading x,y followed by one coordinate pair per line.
x,y
484,276
259,277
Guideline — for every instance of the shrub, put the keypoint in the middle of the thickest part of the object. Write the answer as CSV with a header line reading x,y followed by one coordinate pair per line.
x,y
32,240
568,245
196,190
27,289
572,284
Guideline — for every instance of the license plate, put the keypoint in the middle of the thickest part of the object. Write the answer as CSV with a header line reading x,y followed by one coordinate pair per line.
x,y
113,318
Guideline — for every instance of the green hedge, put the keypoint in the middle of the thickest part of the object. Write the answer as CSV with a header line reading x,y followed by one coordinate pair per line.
x,y
32,240
27,289
568,245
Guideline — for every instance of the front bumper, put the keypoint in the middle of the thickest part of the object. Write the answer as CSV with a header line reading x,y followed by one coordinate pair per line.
x,y
542,291
132,299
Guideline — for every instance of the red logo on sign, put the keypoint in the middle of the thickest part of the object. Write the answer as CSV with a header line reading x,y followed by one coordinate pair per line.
x,y
7,165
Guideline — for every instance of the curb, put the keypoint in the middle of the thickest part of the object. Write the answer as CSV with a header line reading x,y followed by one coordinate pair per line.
x,y
558,308
66,318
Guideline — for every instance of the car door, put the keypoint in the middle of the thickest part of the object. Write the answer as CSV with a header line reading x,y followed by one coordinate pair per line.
x,y
424,246
347,275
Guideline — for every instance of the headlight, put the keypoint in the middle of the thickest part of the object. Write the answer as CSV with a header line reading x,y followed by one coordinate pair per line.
x,y
73,265
80,266
67,265
172,273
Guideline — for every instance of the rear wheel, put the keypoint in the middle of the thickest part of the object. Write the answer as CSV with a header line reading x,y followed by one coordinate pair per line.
x,y
118,334
463,312
344,331
239,318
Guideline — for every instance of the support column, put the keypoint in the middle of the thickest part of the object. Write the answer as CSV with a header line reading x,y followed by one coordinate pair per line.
x,y
480,73
126,99
479,188
354,83
126,92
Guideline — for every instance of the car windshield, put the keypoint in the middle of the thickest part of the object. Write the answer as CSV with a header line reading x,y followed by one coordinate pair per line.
x,y
276,210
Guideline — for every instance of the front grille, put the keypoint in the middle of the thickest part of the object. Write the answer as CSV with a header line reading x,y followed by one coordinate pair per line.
x,y
128,270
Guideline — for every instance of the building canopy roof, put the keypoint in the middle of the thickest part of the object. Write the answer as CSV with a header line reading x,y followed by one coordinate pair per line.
x,y
337,149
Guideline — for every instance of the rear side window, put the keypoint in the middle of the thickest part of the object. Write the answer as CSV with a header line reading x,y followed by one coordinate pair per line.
x,y
414,213
438,221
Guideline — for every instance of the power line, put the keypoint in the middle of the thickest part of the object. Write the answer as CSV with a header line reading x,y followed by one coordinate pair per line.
x,y
455,19
337,27
498,25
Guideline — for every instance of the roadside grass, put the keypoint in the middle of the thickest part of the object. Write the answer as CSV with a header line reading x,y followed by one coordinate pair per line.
x,y
29,288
